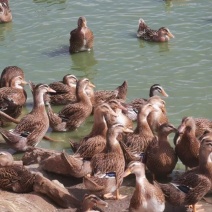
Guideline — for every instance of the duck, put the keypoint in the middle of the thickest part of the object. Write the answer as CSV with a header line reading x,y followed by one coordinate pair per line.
x,y
120,93
13,98
160,156
138,141
33,126
147,196
81,38
163,34
5,12
159,115
6,159
65,91
8,73
186,143
72,115
202,125
92,202
108,167
95,141
194,184
134,105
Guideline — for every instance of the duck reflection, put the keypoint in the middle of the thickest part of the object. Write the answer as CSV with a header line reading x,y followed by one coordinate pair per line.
x,y
163,47
50,1
171,3
4,29
84,61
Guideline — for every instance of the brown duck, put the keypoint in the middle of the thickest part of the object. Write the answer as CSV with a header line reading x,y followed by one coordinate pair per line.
x,y
8,73
147,196
13,98
95,142
160,155
65,91
186,144
5,12
81,38
191,186
137,142
73,115
108,167
33,126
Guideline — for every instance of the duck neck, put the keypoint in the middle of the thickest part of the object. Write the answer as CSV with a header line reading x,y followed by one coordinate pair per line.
x,y
112,143
143,126
205,164
99,126
38,102
82,96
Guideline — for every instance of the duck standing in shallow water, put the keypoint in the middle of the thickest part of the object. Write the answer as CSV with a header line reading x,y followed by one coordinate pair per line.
x,y
81,38
5,12
33,126
161,35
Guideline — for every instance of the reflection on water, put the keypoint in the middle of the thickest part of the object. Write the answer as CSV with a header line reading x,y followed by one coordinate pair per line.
x,y
4,30
50,1
85,62
62,50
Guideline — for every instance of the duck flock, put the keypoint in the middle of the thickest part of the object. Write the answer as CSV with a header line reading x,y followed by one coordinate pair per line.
x,y
126,137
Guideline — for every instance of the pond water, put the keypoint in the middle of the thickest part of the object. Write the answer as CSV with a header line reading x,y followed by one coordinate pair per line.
x,y
38,40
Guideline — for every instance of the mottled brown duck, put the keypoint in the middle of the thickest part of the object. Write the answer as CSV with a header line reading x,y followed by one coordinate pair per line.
x,y
95,142
6,159
147,196
138,141
157,116
160,156
91,203
192,186
186,144
134,105
13,98
5,12
81,38
146,33
111,161
33,126
72,115
202,125
120,92
8,73
65,91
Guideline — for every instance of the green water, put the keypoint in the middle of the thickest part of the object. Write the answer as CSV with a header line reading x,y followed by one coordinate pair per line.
x,y
38,39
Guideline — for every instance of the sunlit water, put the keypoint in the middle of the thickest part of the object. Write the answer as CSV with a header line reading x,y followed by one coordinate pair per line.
x,y
38,39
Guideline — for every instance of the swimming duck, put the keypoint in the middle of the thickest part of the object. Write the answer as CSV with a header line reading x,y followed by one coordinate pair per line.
x,y
191,186
161,35
65,91
160,155
147,196
111,161
8,73
81,38
13,98
95,142
72,115
91,202
138,141
33,126
5,12
134,105
186,144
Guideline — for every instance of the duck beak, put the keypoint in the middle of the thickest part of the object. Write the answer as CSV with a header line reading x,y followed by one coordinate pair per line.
x,y
170,35
91,85
23,82
127,130
164,93
51,90
126,173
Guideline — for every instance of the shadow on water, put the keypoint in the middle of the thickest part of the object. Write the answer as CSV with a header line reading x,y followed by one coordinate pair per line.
x,y
84,61
50,1
62,50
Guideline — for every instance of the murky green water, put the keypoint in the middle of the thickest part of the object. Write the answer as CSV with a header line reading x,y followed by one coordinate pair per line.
x,y
38,38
